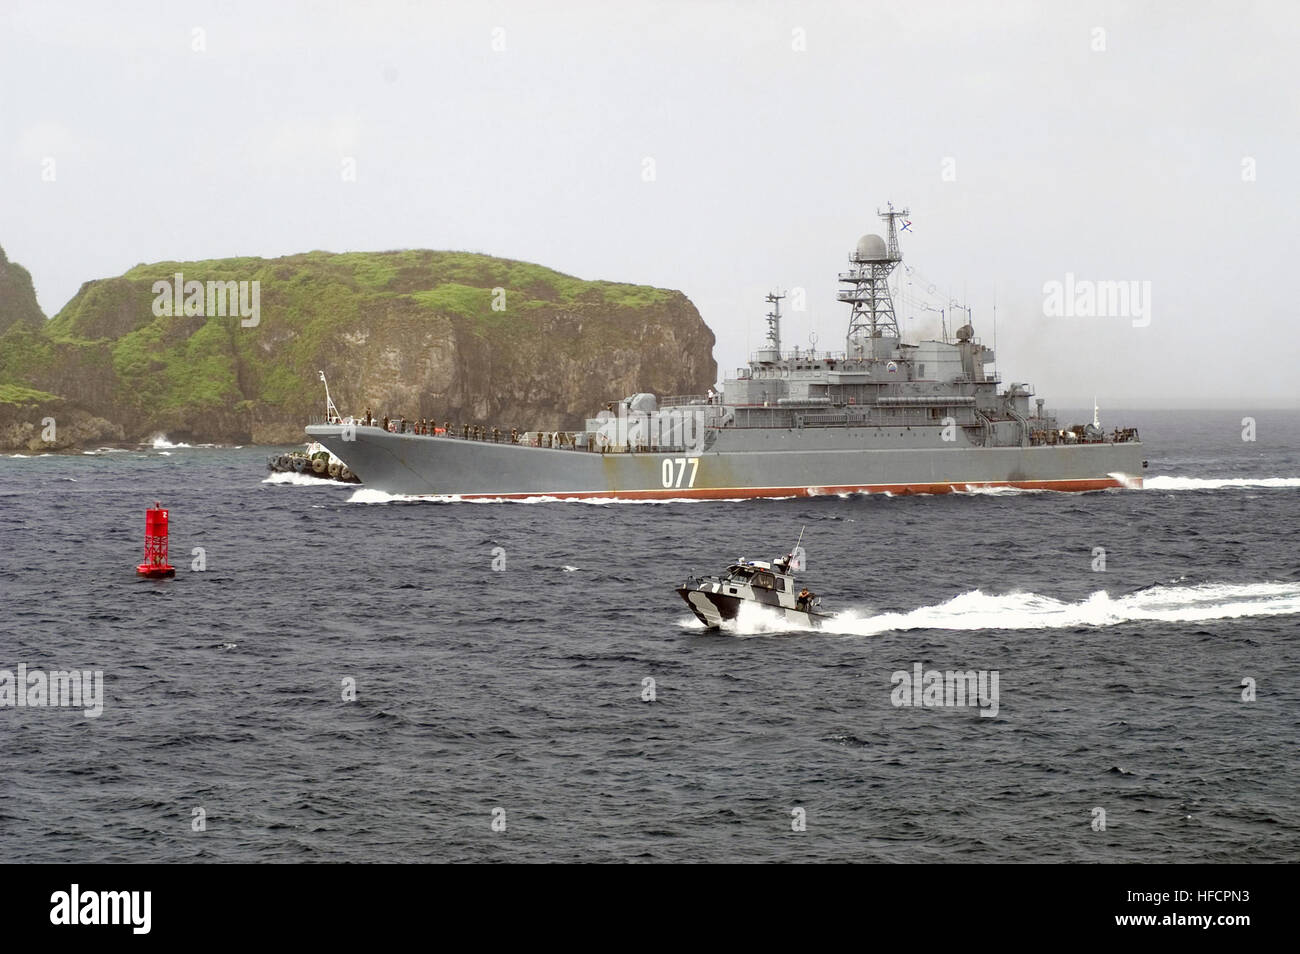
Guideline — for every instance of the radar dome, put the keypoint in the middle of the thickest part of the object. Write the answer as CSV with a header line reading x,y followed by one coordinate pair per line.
x,y
871,248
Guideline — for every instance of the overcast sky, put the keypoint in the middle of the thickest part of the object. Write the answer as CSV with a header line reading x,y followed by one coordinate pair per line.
x,y
1145,142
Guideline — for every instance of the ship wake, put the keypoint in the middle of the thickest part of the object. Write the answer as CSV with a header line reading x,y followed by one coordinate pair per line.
x,y
298,480
369,495
1219,483
976,610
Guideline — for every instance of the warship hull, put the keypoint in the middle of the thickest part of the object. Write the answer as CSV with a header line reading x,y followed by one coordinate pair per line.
x,y
797,463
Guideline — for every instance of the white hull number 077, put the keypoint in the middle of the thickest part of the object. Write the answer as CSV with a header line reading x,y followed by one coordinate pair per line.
x,y
674,471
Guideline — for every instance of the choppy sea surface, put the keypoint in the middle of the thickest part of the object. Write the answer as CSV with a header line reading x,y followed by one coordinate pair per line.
x,y
517,698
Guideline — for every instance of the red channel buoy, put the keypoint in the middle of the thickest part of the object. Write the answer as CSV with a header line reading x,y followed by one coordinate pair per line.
x,y
155,565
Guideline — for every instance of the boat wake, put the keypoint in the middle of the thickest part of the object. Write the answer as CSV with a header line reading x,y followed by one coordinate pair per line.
x,y
979,490
300,480
372,496
753,619
1218,483
977,610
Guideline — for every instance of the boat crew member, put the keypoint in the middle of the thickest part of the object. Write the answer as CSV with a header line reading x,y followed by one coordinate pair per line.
x,y
805,600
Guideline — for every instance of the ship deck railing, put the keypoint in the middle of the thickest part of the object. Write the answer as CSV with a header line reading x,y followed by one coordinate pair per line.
x,y
801,355
580,441
685,400
589,442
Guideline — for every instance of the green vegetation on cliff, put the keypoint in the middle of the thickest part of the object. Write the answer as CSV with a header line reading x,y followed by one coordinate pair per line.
x,y
16,394
18,305
417,332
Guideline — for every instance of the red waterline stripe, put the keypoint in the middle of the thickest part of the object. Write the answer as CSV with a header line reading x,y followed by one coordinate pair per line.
x,y
734,493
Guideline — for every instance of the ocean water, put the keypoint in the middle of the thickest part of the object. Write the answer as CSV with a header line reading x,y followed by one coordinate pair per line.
x,y
517,694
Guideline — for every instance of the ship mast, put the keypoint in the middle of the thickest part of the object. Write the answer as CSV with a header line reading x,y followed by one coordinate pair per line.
x,y
332,415
873,327
771,350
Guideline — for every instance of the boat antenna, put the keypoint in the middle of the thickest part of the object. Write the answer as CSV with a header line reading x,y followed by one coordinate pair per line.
x,y
796,554
332,415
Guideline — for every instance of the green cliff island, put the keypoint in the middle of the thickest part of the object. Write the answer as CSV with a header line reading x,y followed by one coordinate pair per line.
x,y
451,335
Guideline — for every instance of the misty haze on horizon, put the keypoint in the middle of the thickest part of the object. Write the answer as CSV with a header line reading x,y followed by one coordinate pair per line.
x,y
722,149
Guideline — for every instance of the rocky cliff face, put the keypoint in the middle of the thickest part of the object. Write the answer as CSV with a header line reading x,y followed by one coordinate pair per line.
x,y
18,304
449,335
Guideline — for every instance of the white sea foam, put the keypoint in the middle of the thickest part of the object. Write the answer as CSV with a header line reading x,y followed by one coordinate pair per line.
x,y
160,442
296,479
980,490
1171,604
369,495
1218,483
976,610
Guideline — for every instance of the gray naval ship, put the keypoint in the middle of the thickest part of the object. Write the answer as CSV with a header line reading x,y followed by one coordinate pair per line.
x,y
882,416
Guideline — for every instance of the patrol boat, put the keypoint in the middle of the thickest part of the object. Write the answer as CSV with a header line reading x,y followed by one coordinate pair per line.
x,y
881,416
716,599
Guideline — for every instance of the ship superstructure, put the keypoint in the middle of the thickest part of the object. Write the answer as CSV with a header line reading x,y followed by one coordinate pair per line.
x,y
880,416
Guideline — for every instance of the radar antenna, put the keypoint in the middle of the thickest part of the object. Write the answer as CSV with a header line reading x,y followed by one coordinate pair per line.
x,y
868,277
